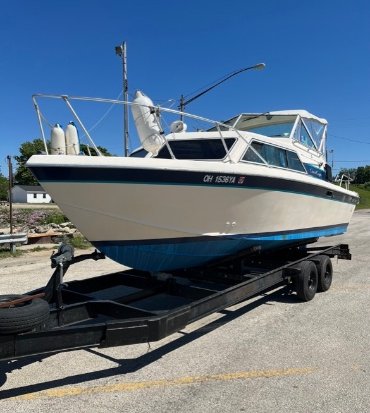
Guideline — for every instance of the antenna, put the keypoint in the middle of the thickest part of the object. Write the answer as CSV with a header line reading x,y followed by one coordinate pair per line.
x,y
121,51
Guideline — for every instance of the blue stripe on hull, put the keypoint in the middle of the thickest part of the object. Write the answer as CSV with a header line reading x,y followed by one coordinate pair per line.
x,y
141,176
175,254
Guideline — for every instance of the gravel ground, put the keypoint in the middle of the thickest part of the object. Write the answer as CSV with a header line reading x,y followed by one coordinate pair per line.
x,y
270,354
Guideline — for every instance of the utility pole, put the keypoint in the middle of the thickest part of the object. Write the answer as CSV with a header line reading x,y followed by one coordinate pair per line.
x,y
121,51
332,158
10,168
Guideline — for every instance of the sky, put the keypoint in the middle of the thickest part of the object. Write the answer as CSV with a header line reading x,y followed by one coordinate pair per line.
x,y
317,56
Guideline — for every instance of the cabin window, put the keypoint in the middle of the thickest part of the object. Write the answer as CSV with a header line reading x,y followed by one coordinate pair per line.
x,y
197,149
294,162
251,156
273,156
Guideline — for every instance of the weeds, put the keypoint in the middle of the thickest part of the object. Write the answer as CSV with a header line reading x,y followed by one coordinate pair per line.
x,y
39,248
80,242
55,218
364,192
6,253
31,217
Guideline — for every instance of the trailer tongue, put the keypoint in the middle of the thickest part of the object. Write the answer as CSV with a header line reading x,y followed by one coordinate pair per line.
x,y
130,307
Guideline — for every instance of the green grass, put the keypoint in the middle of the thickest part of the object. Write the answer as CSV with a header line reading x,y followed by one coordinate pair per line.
x,y
6,253
39,248
55,217
80,242
364,193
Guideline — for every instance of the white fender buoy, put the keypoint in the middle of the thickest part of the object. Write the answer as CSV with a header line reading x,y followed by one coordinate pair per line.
x,y
58,142
72,139
147,123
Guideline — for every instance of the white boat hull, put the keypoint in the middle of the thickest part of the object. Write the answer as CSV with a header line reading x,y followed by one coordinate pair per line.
x,y
158,218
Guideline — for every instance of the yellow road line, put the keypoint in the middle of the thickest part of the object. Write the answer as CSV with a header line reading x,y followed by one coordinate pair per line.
x,y
133,386
352,287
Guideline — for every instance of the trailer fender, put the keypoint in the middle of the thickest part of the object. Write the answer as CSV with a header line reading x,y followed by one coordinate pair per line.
x,y
24,316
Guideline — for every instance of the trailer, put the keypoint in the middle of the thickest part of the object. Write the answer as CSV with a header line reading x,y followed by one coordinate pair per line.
x,y
131,306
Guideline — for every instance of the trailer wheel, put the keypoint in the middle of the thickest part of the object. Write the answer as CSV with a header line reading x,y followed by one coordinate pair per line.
x,y
22,317
325,272
306,281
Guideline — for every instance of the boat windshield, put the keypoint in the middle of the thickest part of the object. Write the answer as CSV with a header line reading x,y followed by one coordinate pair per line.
x,y
315,129
307,131
277,130
268,125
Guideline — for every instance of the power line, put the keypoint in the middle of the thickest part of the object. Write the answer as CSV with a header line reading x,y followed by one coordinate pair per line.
x,y
105,114
348,139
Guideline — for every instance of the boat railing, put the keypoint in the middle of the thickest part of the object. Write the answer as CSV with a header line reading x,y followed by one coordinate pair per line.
x,y
344,180
221,127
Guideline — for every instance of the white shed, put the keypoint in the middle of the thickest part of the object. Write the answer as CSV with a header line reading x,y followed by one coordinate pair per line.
x,y
30,194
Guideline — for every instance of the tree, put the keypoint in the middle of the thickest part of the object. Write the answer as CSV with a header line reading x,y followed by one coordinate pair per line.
x,y
104,151
4,186
351,172
362,174
23,176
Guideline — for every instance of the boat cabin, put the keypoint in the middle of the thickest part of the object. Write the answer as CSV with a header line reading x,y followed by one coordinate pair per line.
x,y
293,140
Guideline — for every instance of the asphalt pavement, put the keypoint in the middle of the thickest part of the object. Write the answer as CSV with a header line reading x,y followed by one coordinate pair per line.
x,y
269,354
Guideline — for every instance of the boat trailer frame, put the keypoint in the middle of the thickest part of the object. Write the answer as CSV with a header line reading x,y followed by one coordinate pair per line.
x,y
131,306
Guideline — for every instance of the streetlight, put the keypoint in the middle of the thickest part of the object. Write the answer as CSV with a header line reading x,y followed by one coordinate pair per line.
x,y
121,51
183,102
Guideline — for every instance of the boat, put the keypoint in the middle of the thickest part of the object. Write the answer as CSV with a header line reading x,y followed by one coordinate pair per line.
x,y
185,198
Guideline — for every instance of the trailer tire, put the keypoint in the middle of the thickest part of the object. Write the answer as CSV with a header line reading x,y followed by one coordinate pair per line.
x,y
23,317
306,281
325,272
